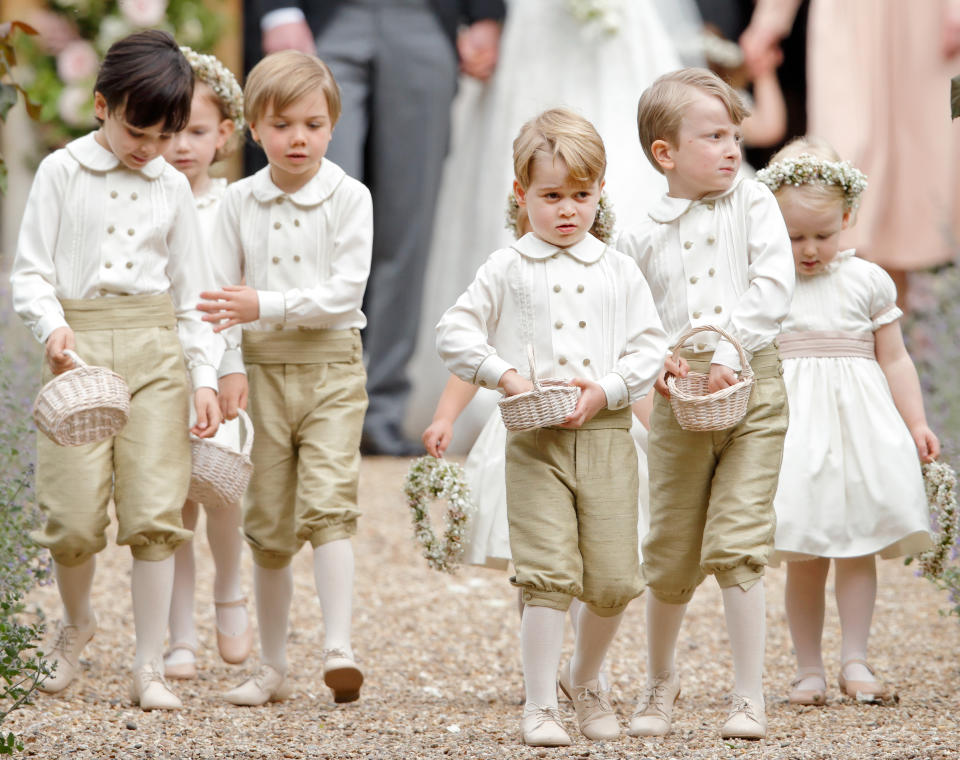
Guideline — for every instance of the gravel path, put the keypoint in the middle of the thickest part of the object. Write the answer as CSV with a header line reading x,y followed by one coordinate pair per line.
x,y
443,672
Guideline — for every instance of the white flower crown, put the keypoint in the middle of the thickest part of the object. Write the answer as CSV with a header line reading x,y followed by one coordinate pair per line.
x,y
810,170
209,70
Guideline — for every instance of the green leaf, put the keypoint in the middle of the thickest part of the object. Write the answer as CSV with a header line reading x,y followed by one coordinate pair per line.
x,y
3,176
8,99
955,97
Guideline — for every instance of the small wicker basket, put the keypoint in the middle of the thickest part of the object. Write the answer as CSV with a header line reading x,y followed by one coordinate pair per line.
x,y
697,409
549,403
82,405
220,473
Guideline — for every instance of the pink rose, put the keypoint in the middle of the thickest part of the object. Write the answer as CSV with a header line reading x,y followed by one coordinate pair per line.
x,y
77,62
75,106
143,13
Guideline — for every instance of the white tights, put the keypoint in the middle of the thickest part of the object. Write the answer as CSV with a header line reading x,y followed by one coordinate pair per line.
x,y
856,592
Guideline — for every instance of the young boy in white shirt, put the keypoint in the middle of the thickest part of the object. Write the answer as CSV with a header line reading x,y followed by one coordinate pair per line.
x,y
715,251
300,232
571,489
108,263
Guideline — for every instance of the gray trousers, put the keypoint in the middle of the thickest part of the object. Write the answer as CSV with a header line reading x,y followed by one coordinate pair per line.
x,y
397,73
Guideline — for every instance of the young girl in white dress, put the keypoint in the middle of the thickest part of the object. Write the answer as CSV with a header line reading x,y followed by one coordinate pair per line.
x,y
548,57
216,117
851,486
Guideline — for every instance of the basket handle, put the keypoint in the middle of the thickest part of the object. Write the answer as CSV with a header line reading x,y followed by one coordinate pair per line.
x,y
247,426
533,366
75,356
745,369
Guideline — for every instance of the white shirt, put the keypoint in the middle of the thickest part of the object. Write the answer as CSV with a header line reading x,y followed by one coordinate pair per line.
x,y
307,253
93,228
586,310
724,260
208,208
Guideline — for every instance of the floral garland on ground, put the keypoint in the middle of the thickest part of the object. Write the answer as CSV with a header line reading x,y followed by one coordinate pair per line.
x,y
806,169
429,479
940,482
603,223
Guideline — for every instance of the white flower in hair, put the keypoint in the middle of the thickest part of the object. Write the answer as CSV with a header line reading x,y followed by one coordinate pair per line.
x,y
806,169
600,18
209,70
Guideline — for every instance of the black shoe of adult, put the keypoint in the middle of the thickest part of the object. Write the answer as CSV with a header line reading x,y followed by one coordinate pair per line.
x,y
382,445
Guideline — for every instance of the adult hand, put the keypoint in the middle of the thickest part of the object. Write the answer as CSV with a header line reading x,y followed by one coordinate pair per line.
x,y
671,366
950,29
592,400
208,413
761,46
479,47
233,394
293,36
720,377
59,341
234,305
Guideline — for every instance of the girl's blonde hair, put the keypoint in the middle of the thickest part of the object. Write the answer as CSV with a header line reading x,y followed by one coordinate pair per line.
x,y
560,133
815,171
222,91
285,77
664,103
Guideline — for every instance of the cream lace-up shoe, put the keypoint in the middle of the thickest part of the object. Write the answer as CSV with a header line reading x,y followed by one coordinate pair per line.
x,y
150,691
655,710
747,720
267,685
68,643
543,727
595,715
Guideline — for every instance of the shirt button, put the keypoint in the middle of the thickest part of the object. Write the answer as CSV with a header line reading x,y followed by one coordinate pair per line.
x,y
278,327
276,259
711,240
582,323
709,205
562,360
483,383
711,271
586,362
696,315
129,265
296,222
133,196
557,288
111,229
579,288
113,193
688,244
279,201
554,255
693,280
102,291
717,309
558,324
107,264
296,258
779,370
130,232
276,225
701,346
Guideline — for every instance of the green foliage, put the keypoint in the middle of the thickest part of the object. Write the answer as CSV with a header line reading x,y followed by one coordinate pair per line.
x,y
955,97
9,89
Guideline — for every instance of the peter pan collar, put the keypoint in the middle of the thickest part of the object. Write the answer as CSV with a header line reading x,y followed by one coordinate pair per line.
x,y
587,250
215,191
316,191
93,156
669,209
838,260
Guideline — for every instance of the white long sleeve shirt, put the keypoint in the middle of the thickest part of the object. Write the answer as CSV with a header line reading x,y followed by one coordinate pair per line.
x,y
586,310
724,260
307,253
93,228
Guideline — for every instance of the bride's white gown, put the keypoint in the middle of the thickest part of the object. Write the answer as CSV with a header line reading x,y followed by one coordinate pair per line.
x,y
547,59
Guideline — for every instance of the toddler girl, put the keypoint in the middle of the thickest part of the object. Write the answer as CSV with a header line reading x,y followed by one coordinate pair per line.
x,y
851,486
216,117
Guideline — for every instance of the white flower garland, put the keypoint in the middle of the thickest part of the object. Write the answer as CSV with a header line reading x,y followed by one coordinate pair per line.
x,y
429,479
810,170
603,223
600,18
209,70
940,482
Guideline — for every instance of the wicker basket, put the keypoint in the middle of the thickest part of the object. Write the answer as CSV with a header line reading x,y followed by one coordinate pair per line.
x,y
694,407
83,405
220,473
549,403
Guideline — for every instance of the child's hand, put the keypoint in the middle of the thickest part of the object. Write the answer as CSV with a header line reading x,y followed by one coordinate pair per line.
x,y
233,394
208,413
234,305
513,383
436,438
59,341
678,367
720,377
928,445
592,400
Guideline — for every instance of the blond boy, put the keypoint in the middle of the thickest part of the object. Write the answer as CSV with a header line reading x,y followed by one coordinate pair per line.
x,y
299,232
571,489
716,252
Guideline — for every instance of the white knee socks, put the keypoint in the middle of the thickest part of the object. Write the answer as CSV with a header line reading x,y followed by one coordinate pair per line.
x,y
594,634
226,546
333,576
663,628
541,640
74,584
745,612
151,587
804,601
856,583
274,591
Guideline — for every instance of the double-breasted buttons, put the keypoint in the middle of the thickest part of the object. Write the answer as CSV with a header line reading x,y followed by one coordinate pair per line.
x,y
296,257
129,265
296,222
717,309
558,324
131,232
693,280
107,264
582,323
696,315
580,288
113,193
276,259
133,196
557,288
688,244
111,229
586,362
711,240
276,225
562,360
711,271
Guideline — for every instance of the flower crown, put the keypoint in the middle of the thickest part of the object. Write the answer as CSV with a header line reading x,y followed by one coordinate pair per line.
x,y
810,170
602,227
209,70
